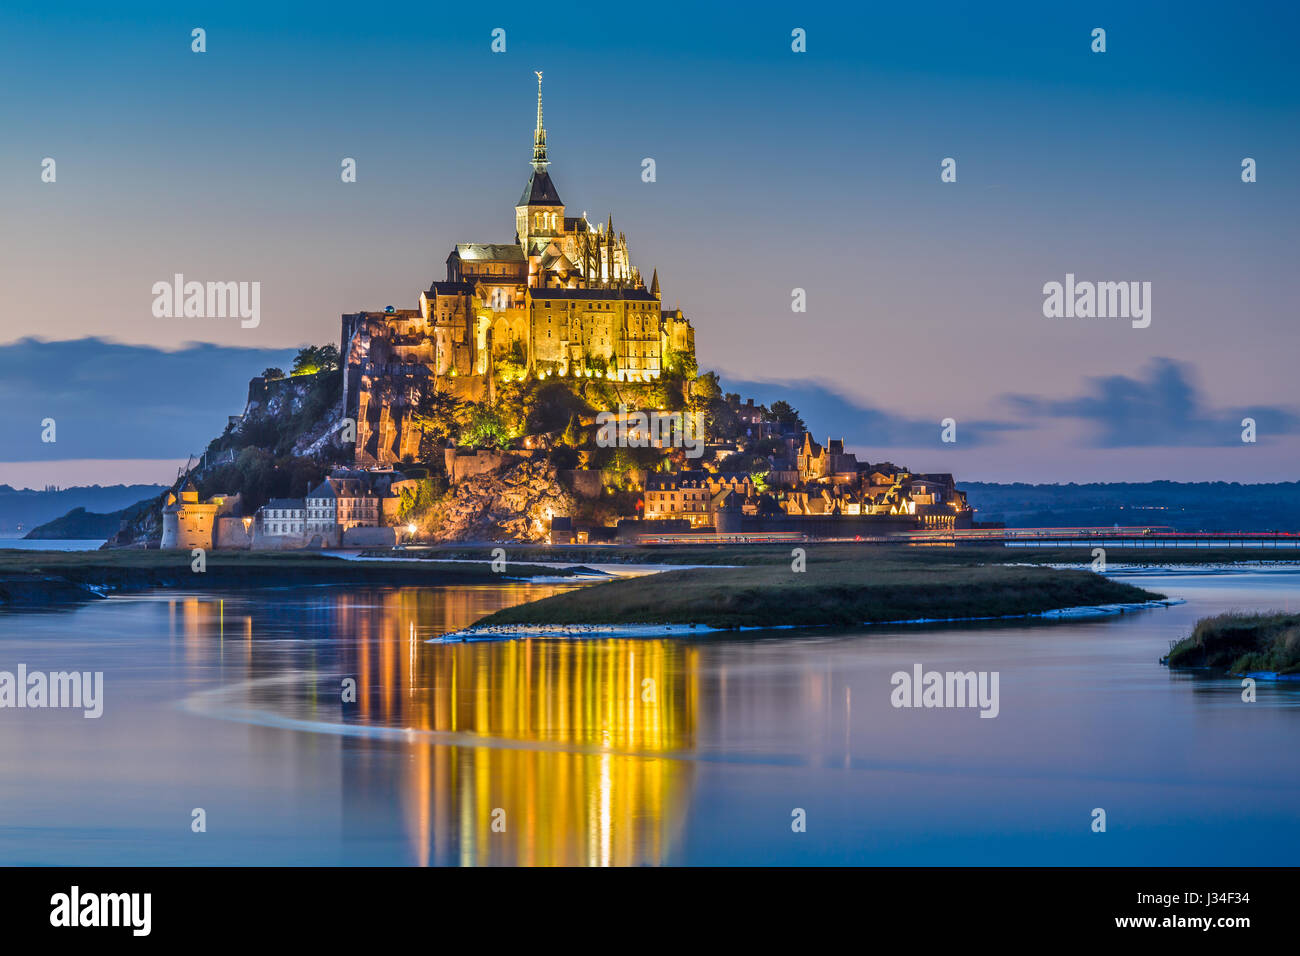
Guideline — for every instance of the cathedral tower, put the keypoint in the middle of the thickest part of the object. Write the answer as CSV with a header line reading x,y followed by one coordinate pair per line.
x,y
539,215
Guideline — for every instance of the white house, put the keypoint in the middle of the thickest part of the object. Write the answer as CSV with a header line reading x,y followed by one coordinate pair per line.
x,y
282,517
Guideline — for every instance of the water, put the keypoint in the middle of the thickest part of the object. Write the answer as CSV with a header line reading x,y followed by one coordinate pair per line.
x,y
52,544
645,751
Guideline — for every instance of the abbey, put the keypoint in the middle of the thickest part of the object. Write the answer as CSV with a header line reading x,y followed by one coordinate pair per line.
x,y
562,299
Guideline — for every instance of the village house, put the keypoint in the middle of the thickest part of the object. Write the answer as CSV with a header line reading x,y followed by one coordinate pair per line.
x,y
282,517
828,463
693,495
339,504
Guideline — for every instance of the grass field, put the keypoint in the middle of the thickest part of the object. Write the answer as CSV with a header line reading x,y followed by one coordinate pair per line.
x,y
841,585
1238,643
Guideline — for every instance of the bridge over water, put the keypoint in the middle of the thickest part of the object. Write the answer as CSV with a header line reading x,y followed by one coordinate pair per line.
x,y
1132,537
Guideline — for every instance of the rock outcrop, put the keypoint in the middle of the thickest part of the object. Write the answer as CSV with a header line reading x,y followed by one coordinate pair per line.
x,y
513,504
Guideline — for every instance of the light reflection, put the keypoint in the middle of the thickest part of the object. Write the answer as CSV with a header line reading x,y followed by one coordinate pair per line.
x,y
572,729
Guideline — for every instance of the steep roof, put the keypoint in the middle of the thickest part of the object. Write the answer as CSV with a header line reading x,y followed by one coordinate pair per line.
x,y
540,191
323,490
437,288
285,504
339,488
489,251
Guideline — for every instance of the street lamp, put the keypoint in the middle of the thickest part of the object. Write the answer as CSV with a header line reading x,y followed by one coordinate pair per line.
x,y
410,529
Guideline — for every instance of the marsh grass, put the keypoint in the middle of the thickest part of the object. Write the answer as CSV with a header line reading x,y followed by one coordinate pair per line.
x,y
856,586
1238,642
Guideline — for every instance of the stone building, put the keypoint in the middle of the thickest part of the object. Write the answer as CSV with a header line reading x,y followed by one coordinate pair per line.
x,y
190,523
828,463
562,299
337,505
693,495
282,517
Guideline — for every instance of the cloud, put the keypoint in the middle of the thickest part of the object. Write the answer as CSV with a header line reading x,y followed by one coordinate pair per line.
x,y
828,412
111,400
1162,408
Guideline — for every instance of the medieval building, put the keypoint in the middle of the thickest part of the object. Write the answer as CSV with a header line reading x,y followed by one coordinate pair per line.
x,y
563,299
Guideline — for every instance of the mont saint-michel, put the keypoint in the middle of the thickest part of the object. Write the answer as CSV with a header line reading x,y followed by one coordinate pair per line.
x,y
562,299
540,390
444,464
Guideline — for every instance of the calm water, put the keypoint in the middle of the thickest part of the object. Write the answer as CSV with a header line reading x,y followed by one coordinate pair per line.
x,y
633,751
53,544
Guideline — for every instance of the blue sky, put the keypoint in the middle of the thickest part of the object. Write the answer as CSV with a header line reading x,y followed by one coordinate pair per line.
x,y
775,170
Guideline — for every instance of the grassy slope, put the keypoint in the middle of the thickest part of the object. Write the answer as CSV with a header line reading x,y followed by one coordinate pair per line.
x,y
1239,643
860,585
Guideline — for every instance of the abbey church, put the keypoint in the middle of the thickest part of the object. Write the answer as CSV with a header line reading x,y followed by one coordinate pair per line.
x,y
562,299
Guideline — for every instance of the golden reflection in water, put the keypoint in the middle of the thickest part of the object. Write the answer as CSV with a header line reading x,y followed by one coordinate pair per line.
x,y
571,772
591,791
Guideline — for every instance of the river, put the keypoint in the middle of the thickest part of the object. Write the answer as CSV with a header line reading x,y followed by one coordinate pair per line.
x,y
635,751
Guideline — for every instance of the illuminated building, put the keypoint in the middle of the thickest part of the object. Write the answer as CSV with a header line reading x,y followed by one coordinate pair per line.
x,y
562,300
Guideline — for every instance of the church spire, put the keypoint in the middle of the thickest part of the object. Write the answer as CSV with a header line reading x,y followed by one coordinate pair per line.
x,y
540,161
654,284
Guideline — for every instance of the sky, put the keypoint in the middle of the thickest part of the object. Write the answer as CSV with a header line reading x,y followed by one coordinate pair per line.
x,y
775,171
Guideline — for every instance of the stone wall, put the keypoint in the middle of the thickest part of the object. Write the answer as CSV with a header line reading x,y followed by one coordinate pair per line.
x,y
463,463
586,482
229,532
369,537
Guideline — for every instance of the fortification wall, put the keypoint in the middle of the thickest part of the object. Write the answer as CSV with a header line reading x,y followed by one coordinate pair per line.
x,y
229,532
369,537
189,528
585,482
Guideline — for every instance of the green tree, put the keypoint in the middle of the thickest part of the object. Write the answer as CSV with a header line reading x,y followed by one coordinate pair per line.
x,y
680,364
512,366
615,472
436,413
705,390
785,414
312,359
272,373
720,420
414,503
486,427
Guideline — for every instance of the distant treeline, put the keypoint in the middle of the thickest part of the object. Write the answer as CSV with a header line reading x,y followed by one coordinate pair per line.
x,y
1184,506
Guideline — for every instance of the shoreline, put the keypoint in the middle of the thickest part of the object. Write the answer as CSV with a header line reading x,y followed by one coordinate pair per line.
x,y
36,580
509,632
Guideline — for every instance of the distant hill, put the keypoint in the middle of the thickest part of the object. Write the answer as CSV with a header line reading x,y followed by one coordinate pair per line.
x,y
79,523
1183,506
22,509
